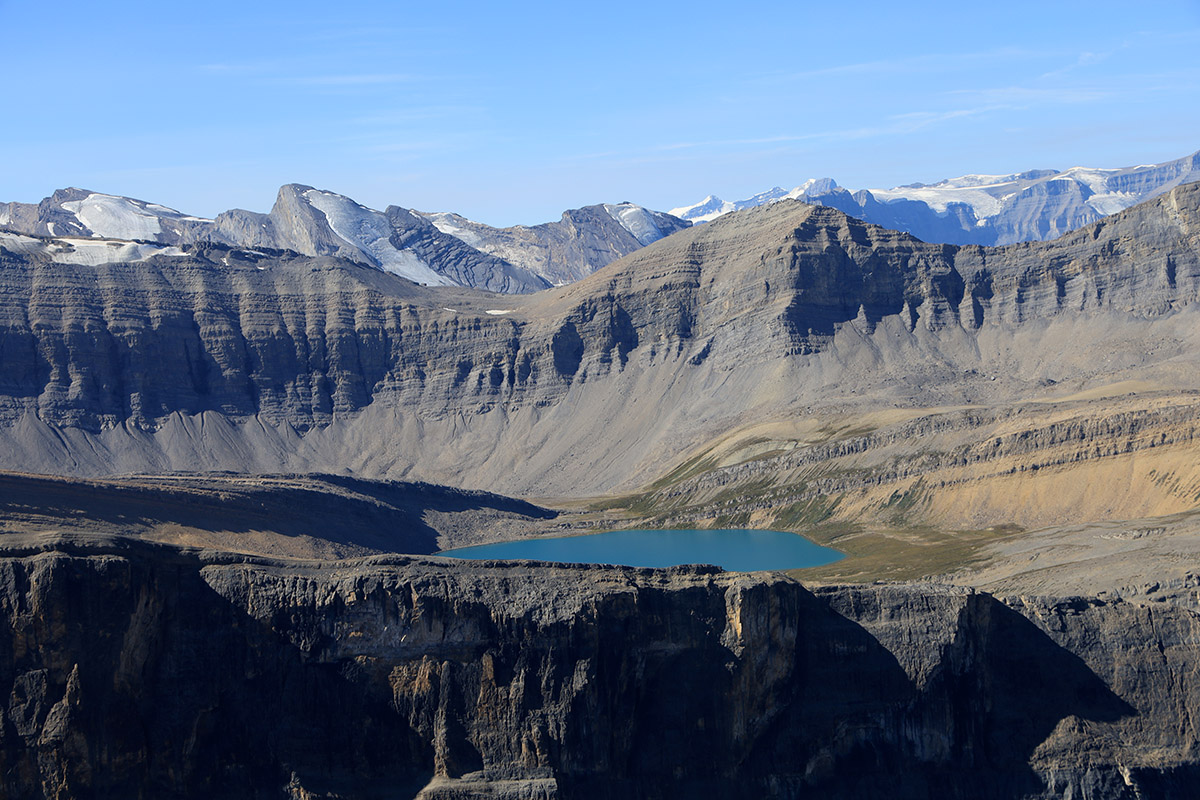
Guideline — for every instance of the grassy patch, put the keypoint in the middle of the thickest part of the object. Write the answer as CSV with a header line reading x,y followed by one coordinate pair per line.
x,y
898,506
696,465
902,554
805,513
832,433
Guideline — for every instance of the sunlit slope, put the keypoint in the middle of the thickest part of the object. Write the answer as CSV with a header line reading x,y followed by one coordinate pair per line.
x,y
906,361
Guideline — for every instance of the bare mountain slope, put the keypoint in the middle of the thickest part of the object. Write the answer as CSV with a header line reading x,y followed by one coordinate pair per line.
x,y
786,314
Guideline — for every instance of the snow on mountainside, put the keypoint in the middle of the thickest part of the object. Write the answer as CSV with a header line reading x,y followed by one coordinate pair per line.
x,y
433,249
86,252
712,206
984,209
640,222
370,231
581,242
110,217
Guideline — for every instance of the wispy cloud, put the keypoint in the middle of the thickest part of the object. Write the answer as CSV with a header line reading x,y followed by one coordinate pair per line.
x,y
895,125
1025,96
287,73
930,62
407,147
731,142
240,67
368,79
405,116
1082,61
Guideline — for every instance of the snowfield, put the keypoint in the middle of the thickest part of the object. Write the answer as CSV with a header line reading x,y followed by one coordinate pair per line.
x,y
110,217
637,220
369,231
93,253
86,252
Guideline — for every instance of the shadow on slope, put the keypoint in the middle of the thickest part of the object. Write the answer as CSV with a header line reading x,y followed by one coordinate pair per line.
x,y
362,516
990,696
145,682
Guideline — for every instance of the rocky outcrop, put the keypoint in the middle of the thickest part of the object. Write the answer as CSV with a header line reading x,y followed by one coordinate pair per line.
x,y
583,241
141,670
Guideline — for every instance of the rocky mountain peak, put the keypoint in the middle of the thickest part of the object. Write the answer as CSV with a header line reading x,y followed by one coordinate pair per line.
x,y
1036,205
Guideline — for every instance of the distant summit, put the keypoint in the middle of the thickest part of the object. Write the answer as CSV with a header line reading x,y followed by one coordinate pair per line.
x,y
439,249
712,206
581,242
1036,205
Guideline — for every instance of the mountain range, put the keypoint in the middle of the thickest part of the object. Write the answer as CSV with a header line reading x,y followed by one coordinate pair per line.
x,y
432,249
1031,206
254,435
784,314
445,248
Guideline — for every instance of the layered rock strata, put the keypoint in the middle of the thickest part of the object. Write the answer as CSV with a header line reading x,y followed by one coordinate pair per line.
x,y
269,361
139,670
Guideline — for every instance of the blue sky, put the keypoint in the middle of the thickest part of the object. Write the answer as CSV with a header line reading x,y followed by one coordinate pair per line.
x,y
511,113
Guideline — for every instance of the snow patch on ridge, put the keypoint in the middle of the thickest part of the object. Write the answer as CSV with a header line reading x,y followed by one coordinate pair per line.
x,y
93,253
370,232
111,217
635,219
939,198
446,222
1112,202
86,252
23,245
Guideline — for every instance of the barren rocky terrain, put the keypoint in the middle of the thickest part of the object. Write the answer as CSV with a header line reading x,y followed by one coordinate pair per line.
x,y
142,669
792,320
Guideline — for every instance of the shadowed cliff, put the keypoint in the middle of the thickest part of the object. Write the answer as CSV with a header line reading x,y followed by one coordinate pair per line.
x,y
138,669
326,516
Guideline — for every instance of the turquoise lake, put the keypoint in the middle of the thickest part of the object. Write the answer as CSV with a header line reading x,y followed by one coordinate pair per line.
x,y
737,550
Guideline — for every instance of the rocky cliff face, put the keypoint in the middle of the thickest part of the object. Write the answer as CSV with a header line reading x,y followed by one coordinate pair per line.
x,y
142,670
583,241
218,357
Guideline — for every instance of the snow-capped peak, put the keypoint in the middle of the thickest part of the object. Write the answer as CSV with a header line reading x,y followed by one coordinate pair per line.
x,y
707,209
111,217
712,206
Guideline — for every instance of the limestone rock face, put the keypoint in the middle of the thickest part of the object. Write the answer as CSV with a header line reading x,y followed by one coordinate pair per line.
x,y
218,357
134,669
583,241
